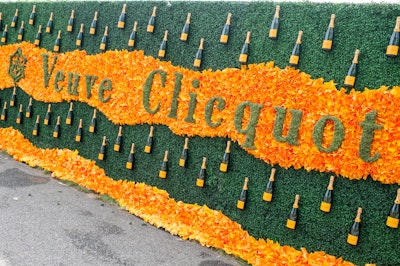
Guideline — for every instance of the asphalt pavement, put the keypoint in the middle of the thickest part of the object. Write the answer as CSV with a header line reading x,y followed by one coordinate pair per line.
x,y
47,222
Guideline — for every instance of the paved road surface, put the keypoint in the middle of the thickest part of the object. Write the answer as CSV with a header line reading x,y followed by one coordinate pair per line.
x,y
46,222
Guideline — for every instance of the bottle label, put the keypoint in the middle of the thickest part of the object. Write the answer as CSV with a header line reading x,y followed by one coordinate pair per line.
x,y
294,60
3,39
56,48
184,36
392,222
182,162
31,22
392,50
91,129
327,44
129,165
352,240
78,138
11,103
68,121
349,81
19,37
55,134
116,147
69,28
3,117
121,24
267,197
161,53
200,182
325,207
162,174
13,24
27,114
37,42
291,224
240,204
34,132
92,31
243,58
150,28
197,62
78,42
18,121
102,46
46,122
48,29
223,167
273,33
224,39
101,156
131,43
147,149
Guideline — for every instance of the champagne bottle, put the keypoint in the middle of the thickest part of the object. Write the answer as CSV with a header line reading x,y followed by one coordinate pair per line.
x,y
4,35
269,188
28,112
295,57
79,38
327,200
186,28
49,26
38,37
350,79
164,166
68,120
202,175
93,26
394,214
131,158
56,131
243,195
48,115
327,42
199,54
223,167
21,32
352,237
118,140
121,20
19,115
163,46
1,21
149,144
92,126
392,49
57,43
294,214
184,154
273,31
132,37
14,20
32,17
13,97
3,116
102,151
35,130
71,21
78,136
152,21
245,50
103,43
225,31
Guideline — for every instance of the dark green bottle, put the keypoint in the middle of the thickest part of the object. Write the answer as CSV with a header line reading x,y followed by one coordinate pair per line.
x,y
71,21
392,220
19,115
149,143
295,56
243,195
14,20
21,32
350,79
93,26
199,54
1,21
327,199
78,136
35,130
68,120
102,151
38,37
56,131
245,50
352,237
328,40
13,97
294,214
273,31
4,112
48,115
223,167
392,49
163,46
225,31
118,140
202,175
4,35
132,37
184,154
49,26
57,43
152,21
79,38
269,188
28,112
131,158
92,126
186,29
103,43
164,167
32,17
121,20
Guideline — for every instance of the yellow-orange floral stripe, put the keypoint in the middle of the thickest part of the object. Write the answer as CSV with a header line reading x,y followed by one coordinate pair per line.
x,y
209,227
260,83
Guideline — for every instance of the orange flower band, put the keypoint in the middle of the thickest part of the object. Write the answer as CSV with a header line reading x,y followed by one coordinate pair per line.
x,y
279,115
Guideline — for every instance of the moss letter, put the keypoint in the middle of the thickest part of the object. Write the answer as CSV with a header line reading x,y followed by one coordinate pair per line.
x,y
105,85
250,130
90,80
293,132
367,136
338,133
192,108
177,89
46,73
209,110
147,90
59,77
73,89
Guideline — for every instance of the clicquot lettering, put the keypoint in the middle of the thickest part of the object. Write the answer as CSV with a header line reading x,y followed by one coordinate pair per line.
x,y
57,43
223,167
294,214
56,131
13,97
71,21
103,43
199,54
118,140
78,136
92,126
28,112
68,120
3,116
14,20
328,40
49,26
38,37
295,56
152,21
93,26
184,154
19,115
164,167
149,143
79,38
202,175
327,200
35,130
102,151
163,46
48,115
225,31
32,17
132,37
392,220
350,79
273,31
243,195
186,28
21,32
352,237
244,54
4,35
392,49
131,158
121,20
269,188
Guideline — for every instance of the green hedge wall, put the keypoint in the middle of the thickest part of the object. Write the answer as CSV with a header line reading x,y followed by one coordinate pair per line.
x,y
364,27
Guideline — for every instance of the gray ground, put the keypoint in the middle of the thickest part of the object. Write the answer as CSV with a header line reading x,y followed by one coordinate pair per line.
x,y
46,222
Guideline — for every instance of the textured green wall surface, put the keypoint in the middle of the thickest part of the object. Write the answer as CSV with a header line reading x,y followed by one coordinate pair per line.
x,y
364,27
